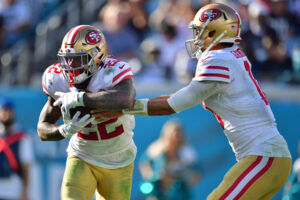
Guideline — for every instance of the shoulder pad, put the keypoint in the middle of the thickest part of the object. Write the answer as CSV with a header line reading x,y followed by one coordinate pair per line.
x,y
52,76
115,71
213,67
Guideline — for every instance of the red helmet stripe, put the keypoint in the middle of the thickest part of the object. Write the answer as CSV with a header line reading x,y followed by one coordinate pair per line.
x,y
72,34
69,36
239,20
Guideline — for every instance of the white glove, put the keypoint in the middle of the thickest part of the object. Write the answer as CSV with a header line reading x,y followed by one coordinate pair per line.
x,y
140,108
72,126
69,100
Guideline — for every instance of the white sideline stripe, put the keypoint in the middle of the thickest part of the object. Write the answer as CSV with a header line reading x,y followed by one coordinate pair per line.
x,y
247,178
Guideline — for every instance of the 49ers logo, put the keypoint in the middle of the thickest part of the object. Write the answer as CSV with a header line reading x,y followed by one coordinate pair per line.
x,y
93,37
211,14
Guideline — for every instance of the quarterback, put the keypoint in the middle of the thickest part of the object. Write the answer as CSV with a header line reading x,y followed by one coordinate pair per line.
x,y
224,85
100,152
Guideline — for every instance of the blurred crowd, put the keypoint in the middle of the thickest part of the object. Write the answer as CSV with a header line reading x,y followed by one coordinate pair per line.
x,y
151,34
292,187
16,155
170,167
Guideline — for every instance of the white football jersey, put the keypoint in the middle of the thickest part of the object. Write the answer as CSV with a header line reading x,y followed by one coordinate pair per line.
x,y
241,107
105,143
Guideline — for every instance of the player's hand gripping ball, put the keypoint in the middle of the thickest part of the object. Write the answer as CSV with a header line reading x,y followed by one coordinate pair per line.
x,y
83,110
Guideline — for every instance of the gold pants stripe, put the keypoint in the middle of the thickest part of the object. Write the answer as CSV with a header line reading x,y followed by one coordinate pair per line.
x,y
253,177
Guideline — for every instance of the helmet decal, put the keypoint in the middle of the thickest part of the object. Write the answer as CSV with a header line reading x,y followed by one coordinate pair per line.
x,y
93,37
211,14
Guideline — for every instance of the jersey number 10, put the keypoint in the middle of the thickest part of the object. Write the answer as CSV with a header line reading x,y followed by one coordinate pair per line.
x,y
258,87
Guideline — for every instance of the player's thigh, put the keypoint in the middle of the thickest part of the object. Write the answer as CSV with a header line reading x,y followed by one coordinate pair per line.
x,y
253,177
78,182
272,180
115,183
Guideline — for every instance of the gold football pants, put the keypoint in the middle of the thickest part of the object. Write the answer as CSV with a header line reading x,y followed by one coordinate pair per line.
x,y
81,181
253,178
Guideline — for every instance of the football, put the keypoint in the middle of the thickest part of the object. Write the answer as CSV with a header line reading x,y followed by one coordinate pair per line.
x,y
83,111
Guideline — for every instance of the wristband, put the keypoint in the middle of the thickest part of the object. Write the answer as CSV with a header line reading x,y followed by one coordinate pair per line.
x,y
80,98
140,108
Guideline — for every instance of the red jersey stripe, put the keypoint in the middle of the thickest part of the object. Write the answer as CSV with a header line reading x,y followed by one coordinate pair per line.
x,y
240,178
219,119
217,67
44,87
204,59
214,75
46,93
259,174
126,77
261,93
121,74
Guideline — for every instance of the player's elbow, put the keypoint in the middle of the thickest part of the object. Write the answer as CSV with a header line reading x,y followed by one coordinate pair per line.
x,y
41,135
41,132
128,102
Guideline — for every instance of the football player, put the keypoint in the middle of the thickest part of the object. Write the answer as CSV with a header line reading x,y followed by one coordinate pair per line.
x,y
100,152
224,85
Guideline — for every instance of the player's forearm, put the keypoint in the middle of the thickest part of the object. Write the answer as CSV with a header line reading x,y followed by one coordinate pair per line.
x,y
155,106
159,106
110,100
46,127
49,132
25,177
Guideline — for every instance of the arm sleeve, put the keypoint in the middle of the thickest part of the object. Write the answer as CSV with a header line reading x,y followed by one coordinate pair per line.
x,y
193,94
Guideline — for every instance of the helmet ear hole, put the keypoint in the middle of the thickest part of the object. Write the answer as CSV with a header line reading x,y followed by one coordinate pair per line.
x,y
98,60
211,33
89,57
